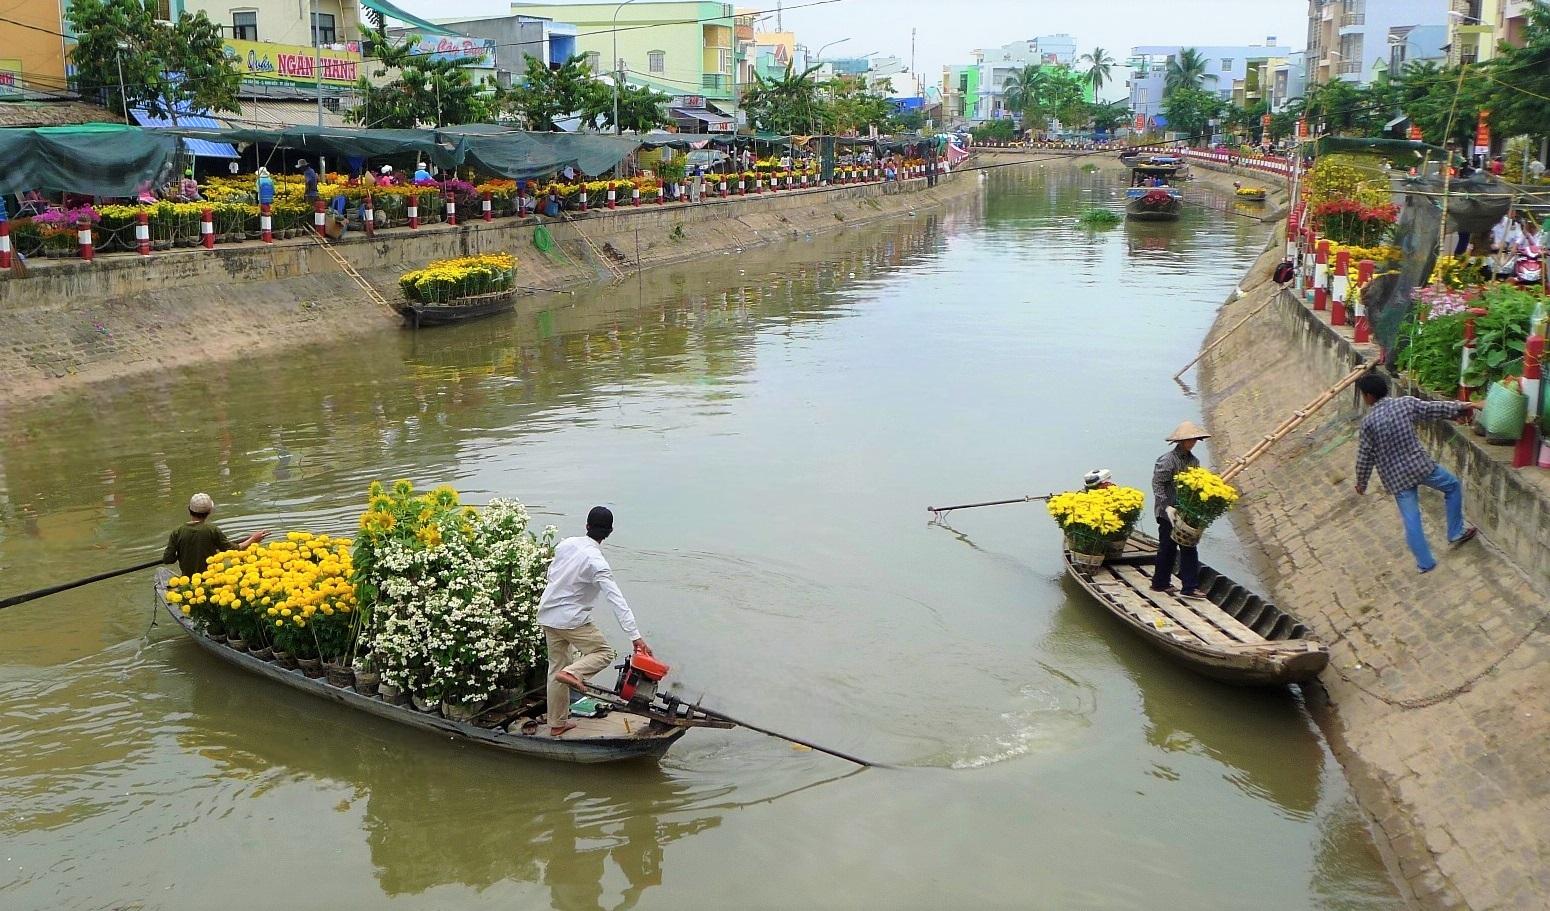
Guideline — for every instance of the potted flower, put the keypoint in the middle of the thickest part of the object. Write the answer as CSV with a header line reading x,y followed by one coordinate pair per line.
x,y
1202,498
1096,521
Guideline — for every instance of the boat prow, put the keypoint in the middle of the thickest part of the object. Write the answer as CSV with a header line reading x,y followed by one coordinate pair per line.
x,y
1234,635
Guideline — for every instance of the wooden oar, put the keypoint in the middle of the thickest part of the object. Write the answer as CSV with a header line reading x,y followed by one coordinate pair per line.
x,y
939,511
779,736
56,589
1293,422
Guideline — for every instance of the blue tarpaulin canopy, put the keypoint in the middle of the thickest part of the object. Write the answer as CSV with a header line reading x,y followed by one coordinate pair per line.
x,y
199,148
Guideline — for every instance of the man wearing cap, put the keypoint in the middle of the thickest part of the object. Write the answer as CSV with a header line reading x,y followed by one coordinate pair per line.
x,y
310,179
1165,495
193,543
577,575
1098,479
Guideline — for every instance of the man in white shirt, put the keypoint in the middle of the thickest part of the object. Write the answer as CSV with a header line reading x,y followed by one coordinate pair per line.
x,y
577,575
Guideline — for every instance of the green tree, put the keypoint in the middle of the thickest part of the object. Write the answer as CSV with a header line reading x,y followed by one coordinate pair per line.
x,y
640,107
423,91
852,106
1020,91
1108,116
167,68
545,94
1186,70
1099,64
789,103
1190,111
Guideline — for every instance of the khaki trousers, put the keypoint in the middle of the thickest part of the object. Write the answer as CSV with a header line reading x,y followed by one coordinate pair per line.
x,y
591,654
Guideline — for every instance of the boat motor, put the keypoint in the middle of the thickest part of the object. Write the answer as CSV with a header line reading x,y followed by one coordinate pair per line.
x,y
638,678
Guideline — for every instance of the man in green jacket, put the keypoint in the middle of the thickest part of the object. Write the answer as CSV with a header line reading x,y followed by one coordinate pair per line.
x,y
193,543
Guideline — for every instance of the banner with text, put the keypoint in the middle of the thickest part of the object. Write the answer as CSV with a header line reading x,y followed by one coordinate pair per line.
x,y
262,61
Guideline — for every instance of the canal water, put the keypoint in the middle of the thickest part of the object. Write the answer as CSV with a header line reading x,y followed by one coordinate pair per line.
x,y
769,428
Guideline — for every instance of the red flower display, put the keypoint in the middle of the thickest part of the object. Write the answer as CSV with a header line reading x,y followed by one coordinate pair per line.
x,y
1348,221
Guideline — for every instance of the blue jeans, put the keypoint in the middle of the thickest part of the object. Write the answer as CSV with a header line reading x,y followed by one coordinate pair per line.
x,y
1442,480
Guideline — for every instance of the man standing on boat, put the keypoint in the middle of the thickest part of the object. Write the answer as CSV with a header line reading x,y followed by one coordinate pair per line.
x,y
577,575
1388,443
193,543
1164,495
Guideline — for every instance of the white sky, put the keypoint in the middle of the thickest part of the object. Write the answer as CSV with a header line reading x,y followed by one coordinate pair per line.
x,y
947,32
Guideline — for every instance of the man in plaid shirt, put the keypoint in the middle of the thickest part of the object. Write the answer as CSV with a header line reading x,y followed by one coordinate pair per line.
x,y
1388,442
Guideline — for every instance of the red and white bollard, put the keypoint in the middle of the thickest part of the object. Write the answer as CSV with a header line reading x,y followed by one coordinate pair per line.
x,y
369,216
758,185
1339,283
451,209
721,187
265,223
143,232
486,210
661,194
413,211
5,243
1362,333
207,228
1321,275
1533,371
635,196
1468,353
742,186
611,203
83,239
317,218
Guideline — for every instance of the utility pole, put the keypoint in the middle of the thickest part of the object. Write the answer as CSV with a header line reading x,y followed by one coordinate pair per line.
x,y
123,95
317,60
912,52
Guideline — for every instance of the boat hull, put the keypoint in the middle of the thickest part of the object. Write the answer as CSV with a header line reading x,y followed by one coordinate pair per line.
x,y
417,315
1135,212
650,743
1236,637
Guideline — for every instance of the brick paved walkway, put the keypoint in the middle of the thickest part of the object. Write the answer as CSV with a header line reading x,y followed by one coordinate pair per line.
x,y
1460,784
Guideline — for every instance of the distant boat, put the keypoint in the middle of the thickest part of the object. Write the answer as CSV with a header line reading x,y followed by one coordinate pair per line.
x,y
454,311
1151,196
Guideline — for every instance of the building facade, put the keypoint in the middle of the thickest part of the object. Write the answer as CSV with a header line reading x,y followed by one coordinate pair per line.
x,y
1227,69
1355,40
1476,28
31,57
673,47
516,38
979,97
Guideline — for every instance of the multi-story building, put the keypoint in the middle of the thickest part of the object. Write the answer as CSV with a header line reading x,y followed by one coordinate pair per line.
x,y
980,96
1354,40
516,38
1476,28
1227,67
674,47
30,55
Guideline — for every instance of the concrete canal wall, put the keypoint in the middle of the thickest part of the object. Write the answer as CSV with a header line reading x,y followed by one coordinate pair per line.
x,y
1438,697
71,323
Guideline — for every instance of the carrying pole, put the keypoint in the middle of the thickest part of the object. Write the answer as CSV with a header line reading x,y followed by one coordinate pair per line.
x,y
56,589
1223,337
1293,422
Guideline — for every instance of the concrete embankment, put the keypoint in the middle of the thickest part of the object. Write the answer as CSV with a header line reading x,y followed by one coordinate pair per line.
x,y
71,324
1438,698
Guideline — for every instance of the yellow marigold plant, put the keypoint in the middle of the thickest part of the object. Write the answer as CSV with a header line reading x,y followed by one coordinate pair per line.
x,y
1203,497
1093,518
449,279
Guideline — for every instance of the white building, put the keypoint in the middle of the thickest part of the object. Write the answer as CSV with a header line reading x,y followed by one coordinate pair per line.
x,y
1226,66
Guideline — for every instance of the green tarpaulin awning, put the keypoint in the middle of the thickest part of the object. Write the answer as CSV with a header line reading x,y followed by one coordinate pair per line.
x,y
347,142
392,12
521,155
97,159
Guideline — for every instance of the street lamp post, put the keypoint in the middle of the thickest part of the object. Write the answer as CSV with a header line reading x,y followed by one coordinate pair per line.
x,y
123,95
618,64
825,47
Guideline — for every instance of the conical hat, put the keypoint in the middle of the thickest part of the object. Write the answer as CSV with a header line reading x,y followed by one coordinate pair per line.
x,y
1187,431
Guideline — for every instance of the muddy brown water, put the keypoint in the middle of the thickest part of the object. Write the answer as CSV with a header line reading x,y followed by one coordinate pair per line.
x,y
769,427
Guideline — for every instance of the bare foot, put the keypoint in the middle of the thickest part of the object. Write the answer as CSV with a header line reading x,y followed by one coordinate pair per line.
x,y
558,730
570,680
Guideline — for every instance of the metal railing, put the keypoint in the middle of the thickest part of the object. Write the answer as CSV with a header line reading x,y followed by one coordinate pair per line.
x,y
1353,19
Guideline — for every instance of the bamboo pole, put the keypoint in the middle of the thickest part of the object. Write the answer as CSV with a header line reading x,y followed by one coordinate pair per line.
x,y
1292,423
1223,337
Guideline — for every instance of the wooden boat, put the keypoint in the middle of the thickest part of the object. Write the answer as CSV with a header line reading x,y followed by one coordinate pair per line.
x,y
617,735
454,311
1234,636
1151,196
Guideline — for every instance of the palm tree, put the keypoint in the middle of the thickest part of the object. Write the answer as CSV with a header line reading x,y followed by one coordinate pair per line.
x,y
1187,69
1021,89
1097,72
788,103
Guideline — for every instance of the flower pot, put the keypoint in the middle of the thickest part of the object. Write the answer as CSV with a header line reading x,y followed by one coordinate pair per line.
x,y
367,682
1184,534
339,675
263,654
312,667
1081,559
391,694
285,659
428,707
237,643
459,711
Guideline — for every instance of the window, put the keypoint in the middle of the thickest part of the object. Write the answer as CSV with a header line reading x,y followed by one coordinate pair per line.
x,y
593,59
323,29
1226,64
726,61
160,9
656,61
244,25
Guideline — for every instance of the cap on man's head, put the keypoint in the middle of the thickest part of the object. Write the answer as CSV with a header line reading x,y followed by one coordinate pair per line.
x,y
601,518
200,504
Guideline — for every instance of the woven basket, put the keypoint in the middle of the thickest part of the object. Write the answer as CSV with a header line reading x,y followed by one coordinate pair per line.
x,y
1079,555
1184,534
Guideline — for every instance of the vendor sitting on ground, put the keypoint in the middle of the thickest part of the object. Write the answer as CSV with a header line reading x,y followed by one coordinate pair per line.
x,y
193,543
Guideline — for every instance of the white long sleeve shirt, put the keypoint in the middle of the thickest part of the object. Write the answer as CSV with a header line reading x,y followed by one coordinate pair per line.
x,y
577,575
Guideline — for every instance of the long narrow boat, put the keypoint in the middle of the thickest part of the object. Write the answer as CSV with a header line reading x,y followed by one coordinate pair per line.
x,y
615,736
456,311
1151,196
1234,636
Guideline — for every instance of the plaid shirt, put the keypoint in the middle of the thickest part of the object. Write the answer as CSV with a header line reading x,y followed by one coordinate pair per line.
x,y
1389,443
1164,491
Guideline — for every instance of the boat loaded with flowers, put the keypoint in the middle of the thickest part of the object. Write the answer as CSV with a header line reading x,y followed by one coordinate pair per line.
x,y
1152,196
428,618
1232,635
450,290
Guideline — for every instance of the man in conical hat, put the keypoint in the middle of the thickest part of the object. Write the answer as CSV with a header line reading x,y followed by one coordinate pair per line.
x,y
1164,495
